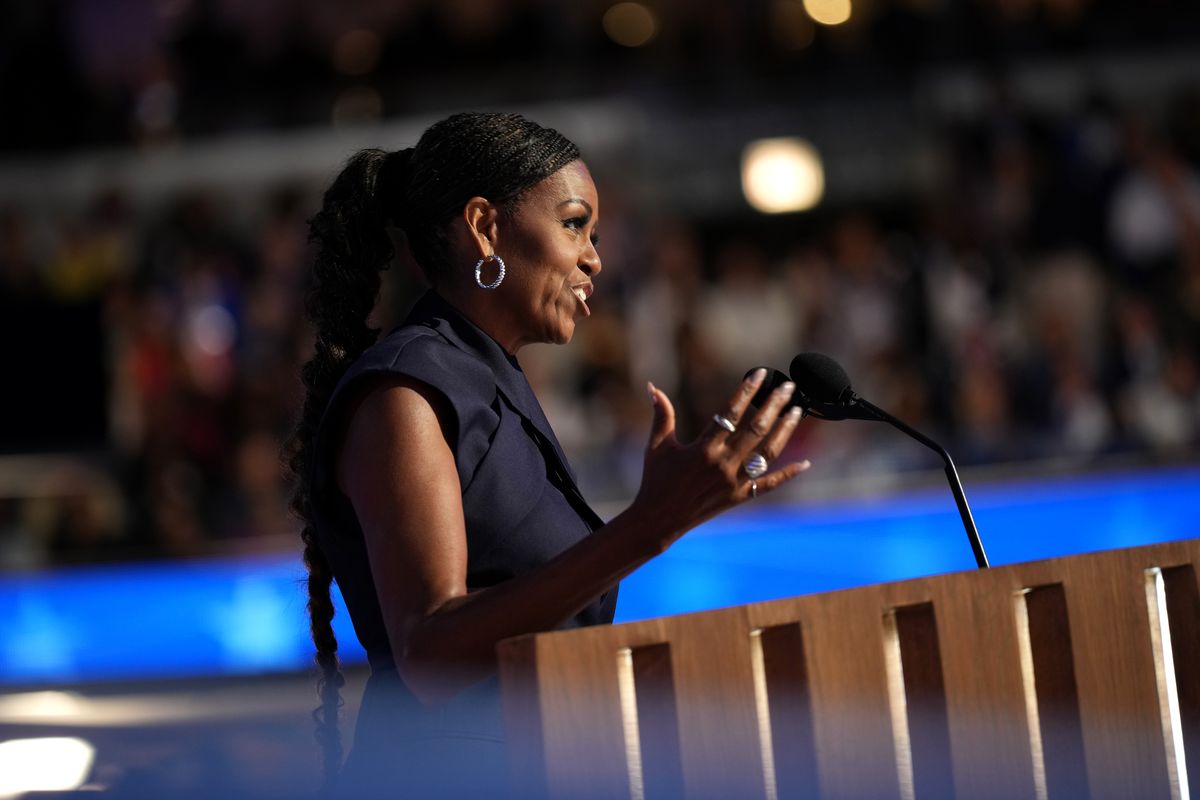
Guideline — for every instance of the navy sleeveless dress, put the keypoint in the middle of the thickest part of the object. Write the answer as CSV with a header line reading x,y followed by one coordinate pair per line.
x,y
521,508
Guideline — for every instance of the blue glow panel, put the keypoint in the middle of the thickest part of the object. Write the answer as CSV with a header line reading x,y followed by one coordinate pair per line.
x,y
167,619
246,615
774,552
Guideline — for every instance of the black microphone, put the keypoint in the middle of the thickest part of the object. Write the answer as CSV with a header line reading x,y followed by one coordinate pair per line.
x,y
823,389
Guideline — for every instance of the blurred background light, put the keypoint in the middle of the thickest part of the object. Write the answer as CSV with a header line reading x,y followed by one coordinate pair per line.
x,y
828,12
782,175
44,706
51,764
630,24
212,329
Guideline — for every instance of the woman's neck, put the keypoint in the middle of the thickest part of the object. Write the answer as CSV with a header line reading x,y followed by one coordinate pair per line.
x,y
485,310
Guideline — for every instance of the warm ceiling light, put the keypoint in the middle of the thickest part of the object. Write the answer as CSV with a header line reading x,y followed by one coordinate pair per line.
x,y
828,12
782,175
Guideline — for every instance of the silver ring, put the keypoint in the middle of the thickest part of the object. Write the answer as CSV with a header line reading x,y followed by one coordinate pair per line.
x,y
753,488
724,423
756,466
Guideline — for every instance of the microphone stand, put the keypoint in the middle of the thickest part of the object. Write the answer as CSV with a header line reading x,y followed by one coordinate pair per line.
x,y
851,406
872,411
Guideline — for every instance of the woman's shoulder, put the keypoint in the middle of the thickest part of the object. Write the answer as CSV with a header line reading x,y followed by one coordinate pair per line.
x,y
464,383
421,352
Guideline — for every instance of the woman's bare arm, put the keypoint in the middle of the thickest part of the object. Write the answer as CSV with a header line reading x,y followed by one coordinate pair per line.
x,y
399,473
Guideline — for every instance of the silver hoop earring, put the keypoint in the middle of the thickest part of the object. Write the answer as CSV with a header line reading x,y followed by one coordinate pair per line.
x,y
479,272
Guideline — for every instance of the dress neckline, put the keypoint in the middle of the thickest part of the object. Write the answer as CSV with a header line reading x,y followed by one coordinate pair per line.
x,y
434,311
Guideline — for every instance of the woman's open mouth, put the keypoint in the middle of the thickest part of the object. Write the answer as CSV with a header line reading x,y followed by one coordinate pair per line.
x,y
583,291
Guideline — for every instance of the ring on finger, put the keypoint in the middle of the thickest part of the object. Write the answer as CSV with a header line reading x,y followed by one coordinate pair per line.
x,y
756,465
753,488
724,422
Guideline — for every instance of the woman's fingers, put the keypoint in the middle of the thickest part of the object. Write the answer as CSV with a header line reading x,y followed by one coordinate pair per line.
x,y
785,426
694,482
769,447
774,479
723,421
766,432
750,435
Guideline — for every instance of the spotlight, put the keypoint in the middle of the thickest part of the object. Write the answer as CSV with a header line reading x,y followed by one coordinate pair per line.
x,y
828,12
782,175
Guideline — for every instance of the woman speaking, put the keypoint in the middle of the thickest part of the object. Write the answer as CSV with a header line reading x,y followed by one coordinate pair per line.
x,y
431,486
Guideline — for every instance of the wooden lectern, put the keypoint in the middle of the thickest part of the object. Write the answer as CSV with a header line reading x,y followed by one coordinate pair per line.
x,y
1073,677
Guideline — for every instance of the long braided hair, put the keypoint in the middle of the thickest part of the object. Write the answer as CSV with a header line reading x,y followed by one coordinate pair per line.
x,y
418,190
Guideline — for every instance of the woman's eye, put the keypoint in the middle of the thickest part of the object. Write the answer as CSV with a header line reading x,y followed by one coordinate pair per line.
x,y
578,224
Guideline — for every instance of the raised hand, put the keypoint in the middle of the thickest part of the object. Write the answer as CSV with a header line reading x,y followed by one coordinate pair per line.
x,y
684,485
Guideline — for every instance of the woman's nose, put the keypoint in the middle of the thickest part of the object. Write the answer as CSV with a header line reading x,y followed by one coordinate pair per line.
x,y
590,261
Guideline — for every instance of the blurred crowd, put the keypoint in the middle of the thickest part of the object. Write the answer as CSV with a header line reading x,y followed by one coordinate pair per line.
x,y
1039,299
201,336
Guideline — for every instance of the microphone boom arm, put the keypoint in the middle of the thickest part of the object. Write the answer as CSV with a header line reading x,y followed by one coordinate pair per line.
x,y
872,411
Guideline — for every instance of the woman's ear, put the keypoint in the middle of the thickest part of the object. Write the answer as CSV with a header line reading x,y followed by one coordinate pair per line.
x,y
481,215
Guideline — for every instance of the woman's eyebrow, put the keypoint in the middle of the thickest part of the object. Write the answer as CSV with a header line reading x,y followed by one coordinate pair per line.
x,y
579,200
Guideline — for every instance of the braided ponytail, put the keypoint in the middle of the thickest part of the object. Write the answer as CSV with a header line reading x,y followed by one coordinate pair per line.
x,y
352,247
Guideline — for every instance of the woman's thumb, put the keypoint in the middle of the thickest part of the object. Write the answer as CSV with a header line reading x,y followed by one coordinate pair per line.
x,y
663,425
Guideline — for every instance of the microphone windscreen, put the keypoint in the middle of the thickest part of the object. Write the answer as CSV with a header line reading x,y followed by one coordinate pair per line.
x,y
820,377
775,378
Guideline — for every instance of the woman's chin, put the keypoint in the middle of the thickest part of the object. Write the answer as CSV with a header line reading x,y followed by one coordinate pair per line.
x,y
564,333
558,327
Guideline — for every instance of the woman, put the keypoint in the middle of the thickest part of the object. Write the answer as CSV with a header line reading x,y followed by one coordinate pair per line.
x,y
431,485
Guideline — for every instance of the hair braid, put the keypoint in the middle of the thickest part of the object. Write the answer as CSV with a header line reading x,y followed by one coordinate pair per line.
x,y
330,682
352,246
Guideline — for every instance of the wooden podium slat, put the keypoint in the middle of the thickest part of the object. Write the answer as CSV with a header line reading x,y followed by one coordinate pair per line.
x,y
851,720
1183,603
985,698
1114,666
1039,680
